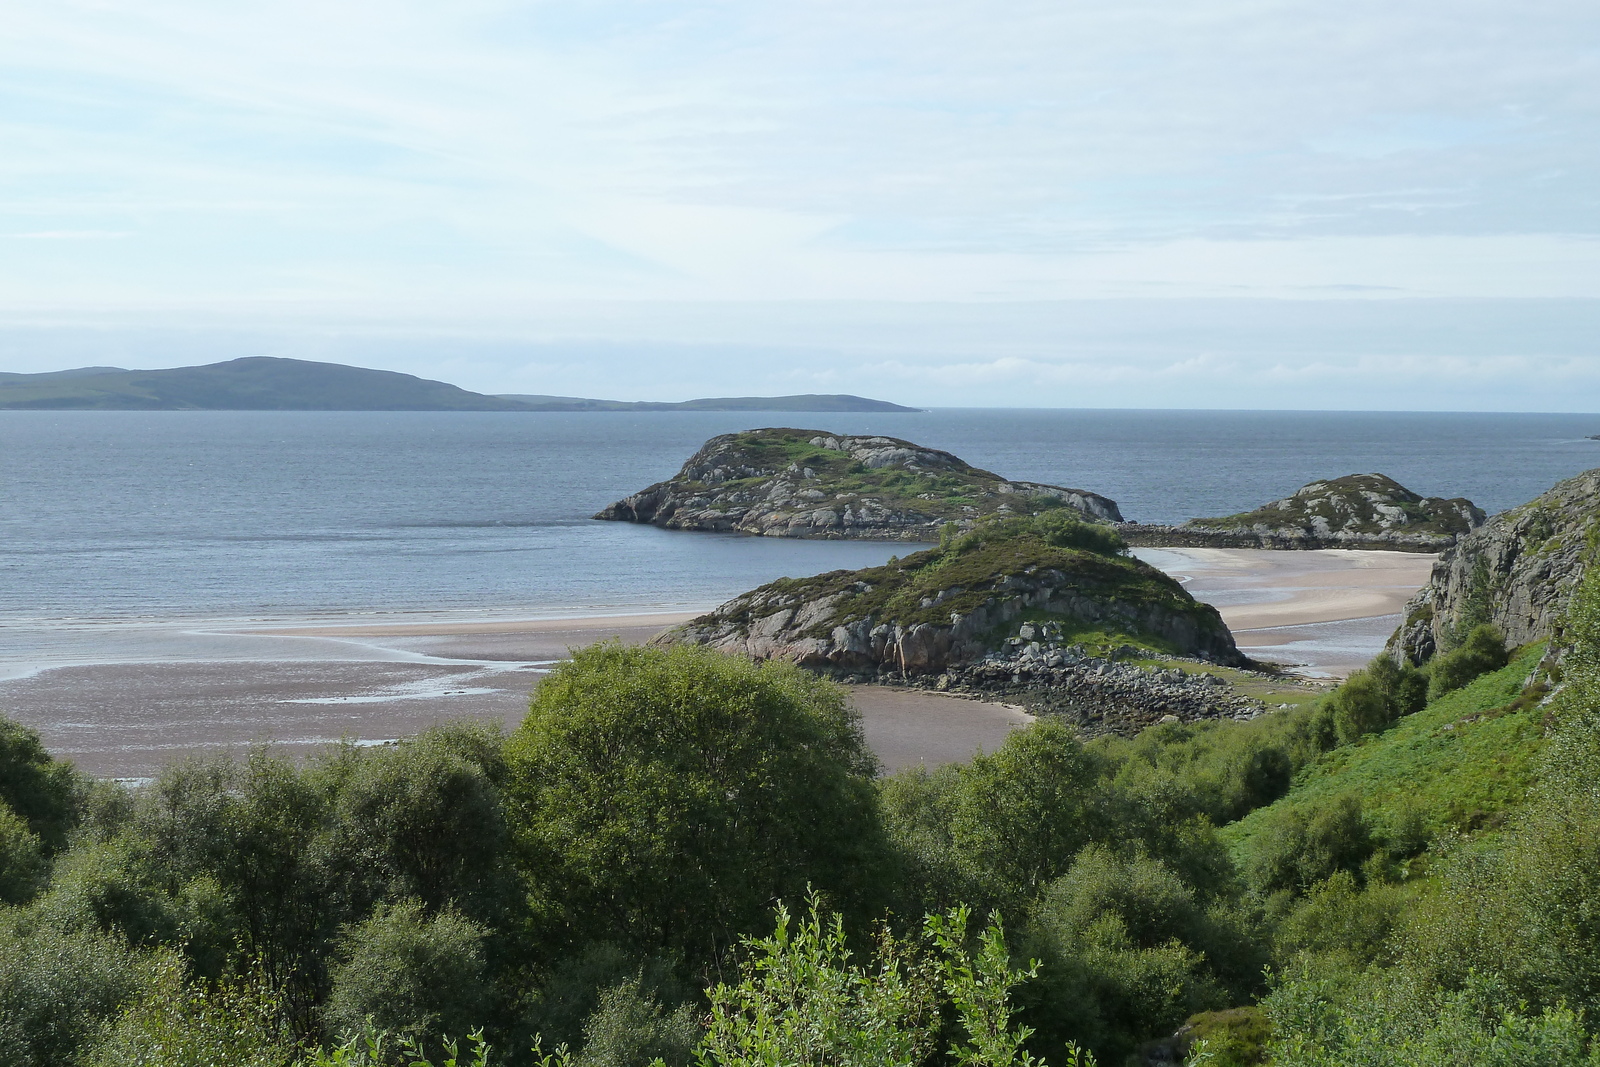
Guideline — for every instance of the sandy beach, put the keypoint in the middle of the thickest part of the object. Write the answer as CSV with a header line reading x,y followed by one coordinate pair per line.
x,y
201,690
1324,613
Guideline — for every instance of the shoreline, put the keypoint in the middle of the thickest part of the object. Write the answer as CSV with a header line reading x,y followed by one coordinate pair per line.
x,y
134,695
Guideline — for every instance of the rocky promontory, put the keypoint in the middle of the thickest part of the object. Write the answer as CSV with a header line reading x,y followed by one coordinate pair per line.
x,y
1047,611
1517,571
954,605
1356,511
811,483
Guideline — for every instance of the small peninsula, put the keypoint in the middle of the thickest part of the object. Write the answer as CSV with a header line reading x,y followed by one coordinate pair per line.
x,y
1356,511
784,482
1045,610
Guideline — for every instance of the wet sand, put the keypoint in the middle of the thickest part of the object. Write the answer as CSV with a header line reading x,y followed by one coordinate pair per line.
x,y
1324,612
201,691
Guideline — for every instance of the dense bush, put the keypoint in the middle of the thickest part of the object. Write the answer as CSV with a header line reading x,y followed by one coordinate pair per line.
x,y
58,988
45,792
1482,651
1371,699
1302,845
665,798
175,1023
22,858
409,973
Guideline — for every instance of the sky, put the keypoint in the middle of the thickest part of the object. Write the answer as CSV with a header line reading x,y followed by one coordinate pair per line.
x,y
1132,203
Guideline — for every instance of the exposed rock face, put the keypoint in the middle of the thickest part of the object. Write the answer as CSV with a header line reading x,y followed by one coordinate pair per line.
x,y
942,609
1517,571
1356,511
810,483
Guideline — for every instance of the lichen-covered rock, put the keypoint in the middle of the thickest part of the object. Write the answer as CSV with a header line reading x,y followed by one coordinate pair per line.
x,y
1356,511
813,484
955,606
1517,571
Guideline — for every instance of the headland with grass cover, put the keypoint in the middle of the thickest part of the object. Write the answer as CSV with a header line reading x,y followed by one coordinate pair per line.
x,y
786,482
1046,609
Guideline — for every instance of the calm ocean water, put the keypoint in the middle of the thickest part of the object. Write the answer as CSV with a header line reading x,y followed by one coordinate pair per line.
x,y
115,517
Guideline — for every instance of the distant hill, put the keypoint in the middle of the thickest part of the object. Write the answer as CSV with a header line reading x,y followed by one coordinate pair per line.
x,y
270,383
799,402
254,383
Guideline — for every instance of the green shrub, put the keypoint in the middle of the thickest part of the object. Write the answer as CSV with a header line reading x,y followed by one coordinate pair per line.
x,y
1063,530
1385,1023
630,1029
1236,1037
1371,699
1338,918
800,1000
422,821
22,859
1359,707
664,798
1483,650
410,974
1124,944
58,988
1304,844
178,1024
43,791
1022,812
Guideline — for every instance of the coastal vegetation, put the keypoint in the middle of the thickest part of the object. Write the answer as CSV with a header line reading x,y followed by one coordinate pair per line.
x,y
690,857
784,482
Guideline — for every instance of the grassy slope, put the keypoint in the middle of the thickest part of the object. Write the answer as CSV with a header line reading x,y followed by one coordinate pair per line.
x,y
1464,760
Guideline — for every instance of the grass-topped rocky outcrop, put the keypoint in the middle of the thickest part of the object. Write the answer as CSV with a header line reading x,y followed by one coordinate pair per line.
x,y
1049,610
1516,572
814,484
1356,511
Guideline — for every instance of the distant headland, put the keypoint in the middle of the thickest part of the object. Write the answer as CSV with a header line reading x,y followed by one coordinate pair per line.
x,y
271,383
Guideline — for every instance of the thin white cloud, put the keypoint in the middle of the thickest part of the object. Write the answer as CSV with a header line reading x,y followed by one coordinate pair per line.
x,y
73,235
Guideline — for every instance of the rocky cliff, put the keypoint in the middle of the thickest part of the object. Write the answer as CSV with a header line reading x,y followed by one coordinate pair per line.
x,y
1356,511
960,604
1516,571
810,483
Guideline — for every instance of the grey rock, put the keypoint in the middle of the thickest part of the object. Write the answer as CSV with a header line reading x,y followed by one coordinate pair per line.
x,y
1517,571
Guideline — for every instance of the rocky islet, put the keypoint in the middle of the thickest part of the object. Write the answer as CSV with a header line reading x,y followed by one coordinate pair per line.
x,y
1355,511
785,482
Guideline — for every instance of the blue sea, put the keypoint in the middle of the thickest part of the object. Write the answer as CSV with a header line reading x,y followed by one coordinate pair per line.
x,y
113,519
